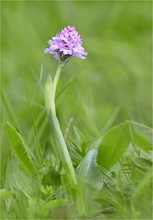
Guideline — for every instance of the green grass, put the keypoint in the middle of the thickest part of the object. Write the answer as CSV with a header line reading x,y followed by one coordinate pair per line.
x,y
103,102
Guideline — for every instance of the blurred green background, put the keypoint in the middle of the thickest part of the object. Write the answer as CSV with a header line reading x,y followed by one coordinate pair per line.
x,y
117,71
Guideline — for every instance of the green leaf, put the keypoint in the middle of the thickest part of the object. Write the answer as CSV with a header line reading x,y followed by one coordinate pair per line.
x,y
18,180
89,172
113,145
20,148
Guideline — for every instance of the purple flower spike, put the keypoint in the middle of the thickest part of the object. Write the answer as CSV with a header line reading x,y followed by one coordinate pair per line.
x,y
66,44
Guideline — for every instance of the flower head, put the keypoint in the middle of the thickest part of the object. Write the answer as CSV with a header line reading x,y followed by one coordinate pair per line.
x,y
66,44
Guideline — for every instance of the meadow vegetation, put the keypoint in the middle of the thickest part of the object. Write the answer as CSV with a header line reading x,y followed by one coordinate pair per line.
x,y
103,104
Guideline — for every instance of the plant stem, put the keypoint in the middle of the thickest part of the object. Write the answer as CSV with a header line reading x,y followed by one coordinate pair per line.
x,y
60,147
55,81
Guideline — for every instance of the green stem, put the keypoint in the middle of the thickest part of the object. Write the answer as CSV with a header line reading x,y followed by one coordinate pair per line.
x,y
60,145
61,149
55,81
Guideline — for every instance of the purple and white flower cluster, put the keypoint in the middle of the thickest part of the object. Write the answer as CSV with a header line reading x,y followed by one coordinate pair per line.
x,y
66,44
